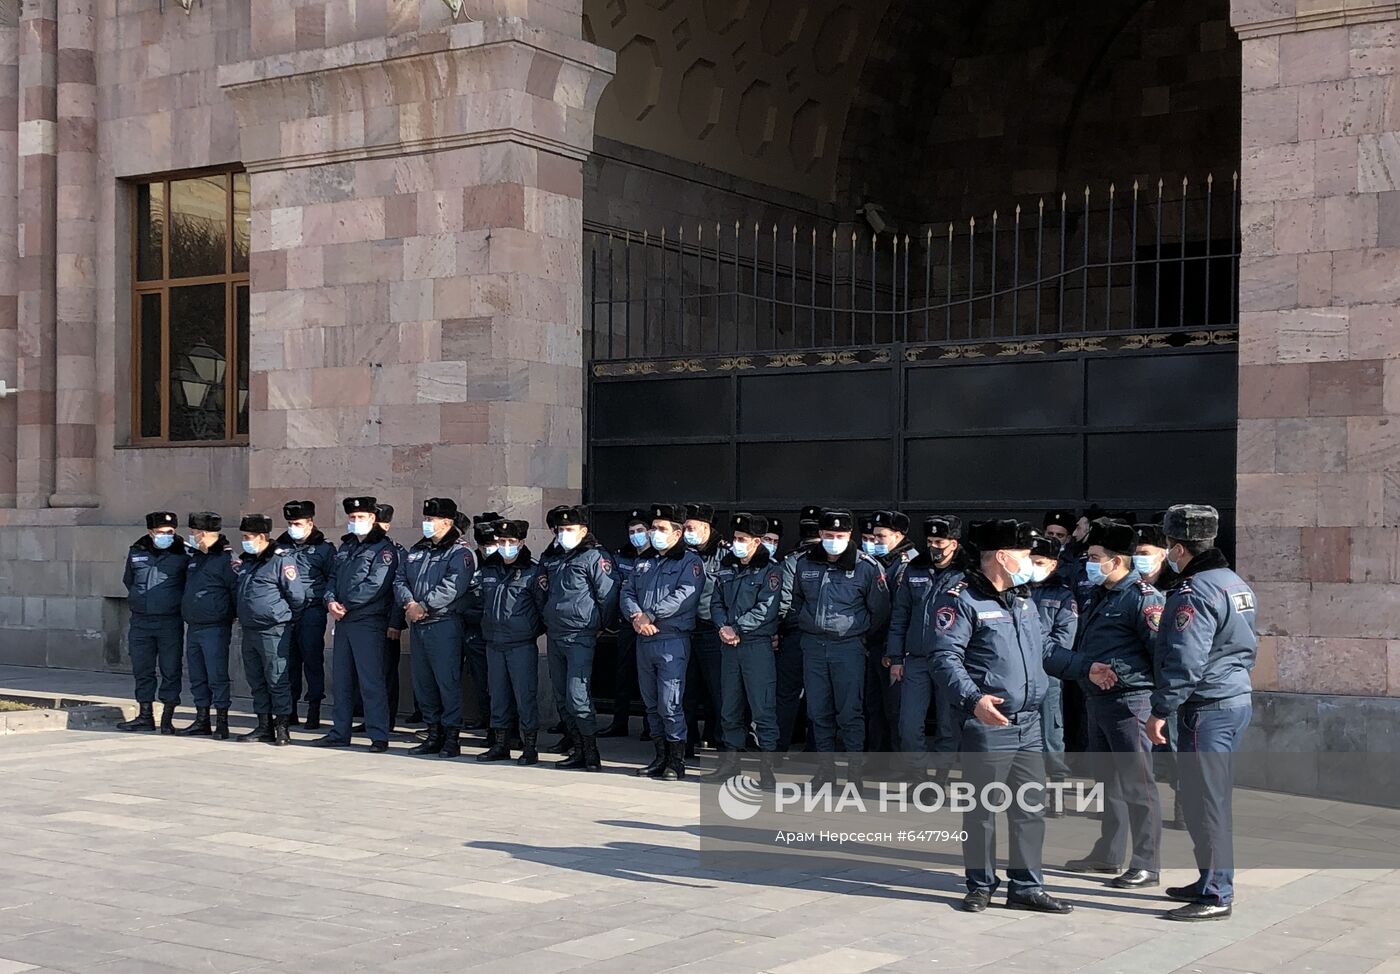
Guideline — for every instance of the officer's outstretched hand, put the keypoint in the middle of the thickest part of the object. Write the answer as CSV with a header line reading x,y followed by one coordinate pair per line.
x,y
1102,676
1156,730
986,711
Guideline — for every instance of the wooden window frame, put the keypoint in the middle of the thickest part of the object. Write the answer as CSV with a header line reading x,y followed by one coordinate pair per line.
x,y
231,281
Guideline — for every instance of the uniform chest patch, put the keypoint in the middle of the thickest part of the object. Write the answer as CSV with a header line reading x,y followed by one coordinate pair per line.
x,y
917,580
289,572
644,567
991,616
944,618
1153,615
811,574
415,556
137,559
1242,601
1184,615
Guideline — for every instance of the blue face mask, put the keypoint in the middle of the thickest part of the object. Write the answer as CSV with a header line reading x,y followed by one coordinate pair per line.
x,y
298,532
772,549
692,539
428,529
834,546
192,541
508,551
1173,565
1143,564
638,539
660,540
164,541
879,549
1093,571
1023,574
868,547
249,547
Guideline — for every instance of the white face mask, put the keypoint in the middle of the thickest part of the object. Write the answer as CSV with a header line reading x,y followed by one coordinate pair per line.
x,y
569,540
660,540
741,549
1040,573
359,528
298,532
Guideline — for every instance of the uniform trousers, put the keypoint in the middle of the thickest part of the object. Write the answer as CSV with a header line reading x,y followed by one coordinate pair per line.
x,y
155,643
265,653
662,664
206,653
1014,756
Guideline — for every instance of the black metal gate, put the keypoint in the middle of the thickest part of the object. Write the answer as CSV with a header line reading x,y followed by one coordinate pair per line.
x,y
1059,357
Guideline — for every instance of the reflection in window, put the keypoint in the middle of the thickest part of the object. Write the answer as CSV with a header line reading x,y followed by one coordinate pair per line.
x,y
190,355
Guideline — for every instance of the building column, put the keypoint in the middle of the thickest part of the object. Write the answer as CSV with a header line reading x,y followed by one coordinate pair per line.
x,y
75,330
1319,436
9,240
417,222
38,196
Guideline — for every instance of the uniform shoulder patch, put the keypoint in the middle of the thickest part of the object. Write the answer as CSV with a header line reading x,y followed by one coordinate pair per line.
x,y
606,565
543,581
1153,615
1184,615
775,581
880,581
945,617
289,572
387,556
697,570
1242,601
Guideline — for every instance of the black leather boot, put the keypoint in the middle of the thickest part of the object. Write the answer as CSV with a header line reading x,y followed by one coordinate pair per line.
x,y
766,780
280,735
675,767
167,718
574,758
592,760
451,743
658,762
499,750
727,768
200,727
565,744
528,754
826,773
293,720
145,720
433,744
313,715
262,731
221,724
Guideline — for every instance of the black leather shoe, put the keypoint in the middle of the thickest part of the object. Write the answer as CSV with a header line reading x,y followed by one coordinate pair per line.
x,y
977,900
329,740
379,747
1135,879
1092,866
1186,894
1196,912
1037,902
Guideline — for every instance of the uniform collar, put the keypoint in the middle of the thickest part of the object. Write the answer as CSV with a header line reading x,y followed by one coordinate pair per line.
x,y
495,560
846,561
315,537
760,559
983,586
448,540
146,543
219,546
1204,562
376,534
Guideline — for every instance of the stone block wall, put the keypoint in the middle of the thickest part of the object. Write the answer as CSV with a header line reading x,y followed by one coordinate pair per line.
x,y
1319,436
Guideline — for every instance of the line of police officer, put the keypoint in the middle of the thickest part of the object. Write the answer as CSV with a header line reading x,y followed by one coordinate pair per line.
x,y
867,636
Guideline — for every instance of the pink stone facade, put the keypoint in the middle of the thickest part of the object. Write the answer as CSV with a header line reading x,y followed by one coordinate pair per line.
x,y
1319,441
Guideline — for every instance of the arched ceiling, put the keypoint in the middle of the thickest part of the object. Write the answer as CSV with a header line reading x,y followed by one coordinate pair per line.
x,y
755,88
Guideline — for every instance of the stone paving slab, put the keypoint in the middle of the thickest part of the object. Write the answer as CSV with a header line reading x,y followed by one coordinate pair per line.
x,y
148,853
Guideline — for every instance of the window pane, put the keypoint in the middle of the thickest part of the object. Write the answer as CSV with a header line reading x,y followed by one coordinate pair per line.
x,y
150,229
148,368
198,357
241,324
198,226
241,227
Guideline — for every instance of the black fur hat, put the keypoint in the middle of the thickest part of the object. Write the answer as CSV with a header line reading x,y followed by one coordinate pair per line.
x,y
1150,534
360,505
775,526
570,516
1064,519
440,507
1045,547
162,519
754,524
943,526
700,512
999,534
508,528
674,513
836,520
894,520
384,513
551,517
638,516
206,521
1114,536
1191,522
255,524
296,510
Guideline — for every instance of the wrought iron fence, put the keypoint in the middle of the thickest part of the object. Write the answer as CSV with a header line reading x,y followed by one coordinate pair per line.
x,y
1161,256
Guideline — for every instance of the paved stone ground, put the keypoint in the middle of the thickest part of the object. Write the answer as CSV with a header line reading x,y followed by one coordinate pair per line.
x,y
150,854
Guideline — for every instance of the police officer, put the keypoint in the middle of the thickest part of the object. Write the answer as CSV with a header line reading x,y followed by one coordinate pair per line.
x,y
551,555
430,588
1118,626
308,652
986,625
706,651
271,593
789,640
475,679
931,572
209,608
513,593
393,636
1059,622
745,607
773,537
660,599
838,597
155,585
625,680
1204,655
1150,556
893,550
582,598
360,598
